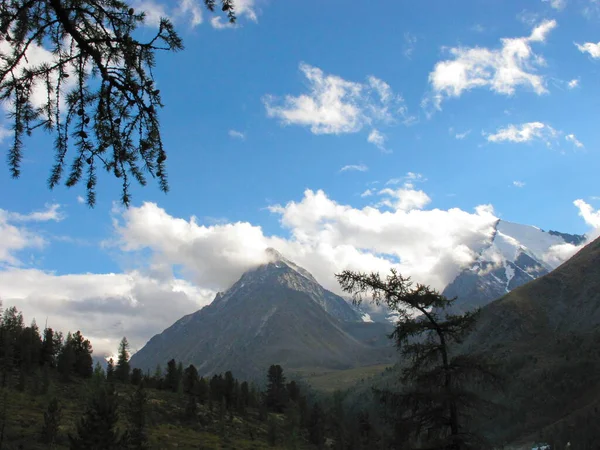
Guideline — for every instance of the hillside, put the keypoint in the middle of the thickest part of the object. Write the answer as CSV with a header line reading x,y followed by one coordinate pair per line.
x,y
545,336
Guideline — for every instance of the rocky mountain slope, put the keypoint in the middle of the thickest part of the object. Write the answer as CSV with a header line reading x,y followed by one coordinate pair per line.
x,y
274,314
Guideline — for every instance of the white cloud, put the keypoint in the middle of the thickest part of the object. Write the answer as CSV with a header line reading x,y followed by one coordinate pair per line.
x,y
589,47
334,105
573,139
377,138
354,167
408,180
526,132
573,83
501,70
410,42
4,133
404,199
15,239
586,211
50,213
154,11
556,4
559,253
236,134
463,135
325,237
105,307
518,184
368,193
80,200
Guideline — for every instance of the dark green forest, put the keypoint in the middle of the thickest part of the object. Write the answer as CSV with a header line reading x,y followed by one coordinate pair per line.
x,y
53,396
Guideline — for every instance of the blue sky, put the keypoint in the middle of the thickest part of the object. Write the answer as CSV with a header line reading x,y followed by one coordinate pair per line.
x,y
417,111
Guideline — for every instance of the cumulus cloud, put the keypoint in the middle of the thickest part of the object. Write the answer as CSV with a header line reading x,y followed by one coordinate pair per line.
x,y
526,132
502,70
354,167
105,307
519,184
573,139
236,134
573,83
587,212
181,263
335,106
590,48
559,253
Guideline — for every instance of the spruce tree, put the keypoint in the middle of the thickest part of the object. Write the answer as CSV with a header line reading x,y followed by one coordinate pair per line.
x,y
123,367
96,429
110,371
276,394
97,96
172,377
190,380
436,402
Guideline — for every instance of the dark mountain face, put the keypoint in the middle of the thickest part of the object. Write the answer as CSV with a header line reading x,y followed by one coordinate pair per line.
x,y
274,314
545,337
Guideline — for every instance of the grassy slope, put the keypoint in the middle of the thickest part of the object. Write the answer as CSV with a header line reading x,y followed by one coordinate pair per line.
x,y
166,428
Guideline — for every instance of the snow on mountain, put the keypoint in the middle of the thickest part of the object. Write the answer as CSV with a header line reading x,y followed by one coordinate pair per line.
x,y
515,255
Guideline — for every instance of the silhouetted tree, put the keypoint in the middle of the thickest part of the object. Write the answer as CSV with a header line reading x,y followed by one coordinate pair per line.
x,y
190,380
172,377
66,360
276,394
434,406
82,348
51,344
110,371
123,368
96,95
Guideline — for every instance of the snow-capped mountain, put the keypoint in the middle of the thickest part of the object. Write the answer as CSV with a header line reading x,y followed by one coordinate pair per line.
x,y
515,255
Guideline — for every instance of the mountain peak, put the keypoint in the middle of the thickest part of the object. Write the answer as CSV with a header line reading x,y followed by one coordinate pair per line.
x,y
274,255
